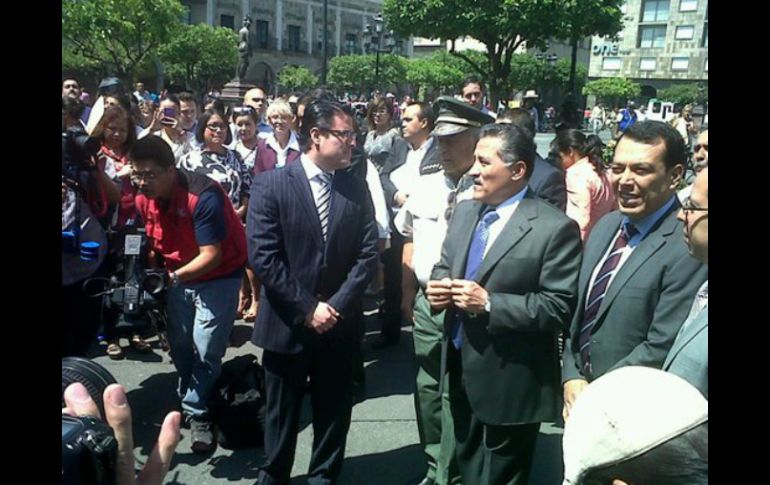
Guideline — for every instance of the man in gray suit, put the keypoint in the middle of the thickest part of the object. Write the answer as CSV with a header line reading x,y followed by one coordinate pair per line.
x,y
688,357
509,287
637,280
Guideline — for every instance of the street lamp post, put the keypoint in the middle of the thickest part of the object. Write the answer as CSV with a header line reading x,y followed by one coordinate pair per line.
x,y
376,37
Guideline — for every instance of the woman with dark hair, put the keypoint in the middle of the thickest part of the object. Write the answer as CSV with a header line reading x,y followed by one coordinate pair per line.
x,y
116,132
382,133
218,162
589,191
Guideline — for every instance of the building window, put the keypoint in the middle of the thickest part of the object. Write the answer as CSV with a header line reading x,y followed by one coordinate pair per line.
x,y
262,30
688,5
655,10
652,36
611,64
186,15
350,44
685,32
706,34
647,64
227,21
680,63
294,38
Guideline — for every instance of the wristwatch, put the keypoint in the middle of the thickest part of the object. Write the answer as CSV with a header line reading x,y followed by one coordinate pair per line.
x,y
173,279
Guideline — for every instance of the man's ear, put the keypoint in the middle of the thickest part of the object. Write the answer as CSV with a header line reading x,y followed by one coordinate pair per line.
x,y
676,176
315,136
518,170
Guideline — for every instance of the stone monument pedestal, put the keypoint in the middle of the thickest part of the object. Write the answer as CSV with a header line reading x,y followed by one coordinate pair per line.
x,y
232,93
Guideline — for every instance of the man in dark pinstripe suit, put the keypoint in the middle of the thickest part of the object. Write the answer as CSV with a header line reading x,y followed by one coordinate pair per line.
x,y
313,244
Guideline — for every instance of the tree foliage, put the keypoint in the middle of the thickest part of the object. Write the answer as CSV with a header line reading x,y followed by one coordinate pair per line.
x,y
358,73
201,56
297,78
502,26
613,89
694,93
122,34
441,73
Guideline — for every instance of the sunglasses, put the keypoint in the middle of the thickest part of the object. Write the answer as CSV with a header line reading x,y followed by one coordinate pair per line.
x,y
242,110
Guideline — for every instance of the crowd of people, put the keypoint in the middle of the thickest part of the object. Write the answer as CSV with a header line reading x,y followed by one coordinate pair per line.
x,y
530,280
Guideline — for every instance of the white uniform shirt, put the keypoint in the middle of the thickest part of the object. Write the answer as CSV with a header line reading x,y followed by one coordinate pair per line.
x,y
406,176
422,218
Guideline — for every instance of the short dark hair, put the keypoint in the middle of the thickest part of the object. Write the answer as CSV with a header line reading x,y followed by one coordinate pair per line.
x,y
72,107
653,132
170,97
472,79
517,144
426,113
152,148
204,120
682,460
187,97
519,117
320,114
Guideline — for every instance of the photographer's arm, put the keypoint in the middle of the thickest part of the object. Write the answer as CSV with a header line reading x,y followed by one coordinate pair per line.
x,y
79,403
208,259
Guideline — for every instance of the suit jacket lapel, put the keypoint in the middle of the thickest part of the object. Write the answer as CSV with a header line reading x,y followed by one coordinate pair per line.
x,y
469,219
301,186
700,322
336,208
515,229
649,245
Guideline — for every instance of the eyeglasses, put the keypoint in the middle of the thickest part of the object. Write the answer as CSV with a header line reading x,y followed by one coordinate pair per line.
x,y
216,127
342,134
147,175
697,147
687,208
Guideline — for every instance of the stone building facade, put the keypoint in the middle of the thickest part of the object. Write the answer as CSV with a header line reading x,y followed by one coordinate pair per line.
x,y
663,42
290,32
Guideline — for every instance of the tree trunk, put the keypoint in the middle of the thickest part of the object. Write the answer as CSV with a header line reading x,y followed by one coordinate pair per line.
x,y
572,69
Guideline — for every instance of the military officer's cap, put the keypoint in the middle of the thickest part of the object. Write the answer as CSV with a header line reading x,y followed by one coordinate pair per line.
x,y
454,116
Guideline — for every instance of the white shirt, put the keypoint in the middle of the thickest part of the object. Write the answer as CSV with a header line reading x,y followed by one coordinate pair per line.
x,y
312,171
378,200
422,219
282,153
406,176
505,211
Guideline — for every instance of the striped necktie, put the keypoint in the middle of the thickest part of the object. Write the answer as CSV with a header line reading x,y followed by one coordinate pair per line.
x,y
323,200
598,290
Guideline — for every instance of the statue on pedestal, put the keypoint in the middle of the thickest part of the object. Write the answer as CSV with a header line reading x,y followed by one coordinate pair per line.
x,y
244,49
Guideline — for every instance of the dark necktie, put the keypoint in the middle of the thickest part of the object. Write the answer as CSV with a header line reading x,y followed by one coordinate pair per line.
x,y
598,290
475,257
322,203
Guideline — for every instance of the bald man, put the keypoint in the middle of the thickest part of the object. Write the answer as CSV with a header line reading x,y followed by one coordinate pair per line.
x,y
257,99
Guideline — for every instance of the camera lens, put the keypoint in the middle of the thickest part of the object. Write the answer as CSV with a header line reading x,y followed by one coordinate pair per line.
x,y
93,376
153,283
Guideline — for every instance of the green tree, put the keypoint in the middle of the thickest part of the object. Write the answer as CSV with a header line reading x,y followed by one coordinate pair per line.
x,y
357,73
558,75
296,78
122,34
615,90
501,25
693,93
201,56
429,75
527,72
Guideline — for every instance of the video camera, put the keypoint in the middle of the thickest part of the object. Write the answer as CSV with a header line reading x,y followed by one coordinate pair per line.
x,y
133,289
77,149
89,450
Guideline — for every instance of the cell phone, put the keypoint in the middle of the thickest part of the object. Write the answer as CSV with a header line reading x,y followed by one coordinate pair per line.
x,y
169,112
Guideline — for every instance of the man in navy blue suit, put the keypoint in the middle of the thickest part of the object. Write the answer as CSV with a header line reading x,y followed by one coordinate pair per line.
x,y
313,244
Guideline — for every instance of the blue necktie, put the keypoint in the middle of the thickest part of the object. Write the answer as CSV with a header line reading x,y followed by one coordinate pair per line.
x,y
475,257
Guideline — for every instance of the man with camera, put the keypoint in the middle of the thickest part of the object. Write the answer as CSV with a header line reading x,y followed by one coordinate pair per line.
x,y
193,229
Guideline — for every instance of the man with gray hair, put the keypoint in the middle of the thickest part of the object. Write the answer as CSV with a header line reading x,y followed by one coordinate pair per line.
x,y
507,279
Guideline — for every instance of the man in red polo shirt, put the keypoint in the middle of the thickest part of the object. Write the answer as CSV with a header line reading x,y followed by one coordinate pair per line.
x,y
193,229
